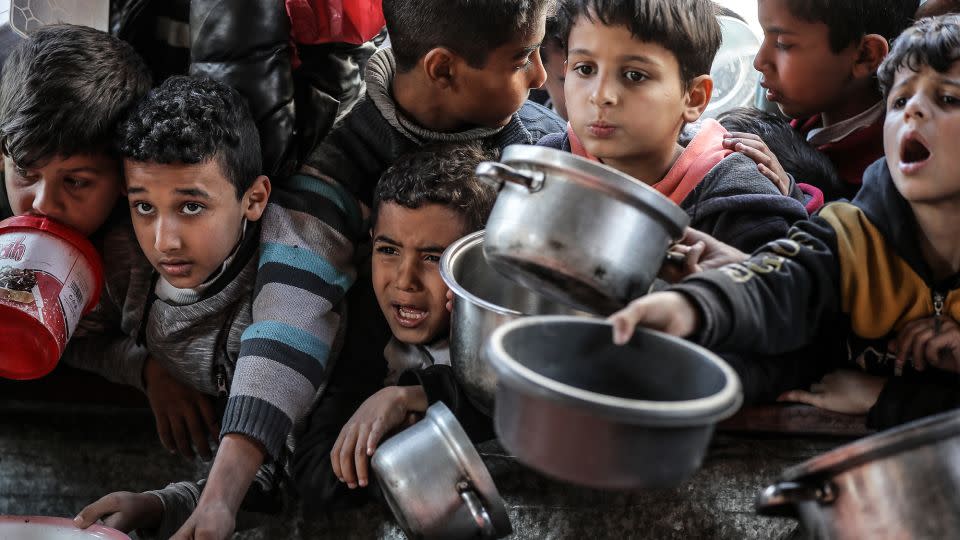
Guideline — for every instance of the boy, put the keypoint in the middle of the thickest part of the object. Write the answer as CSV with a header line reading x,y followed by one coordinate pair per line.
x,y
182,291
423,203
637,72
819,60
884,268
63,91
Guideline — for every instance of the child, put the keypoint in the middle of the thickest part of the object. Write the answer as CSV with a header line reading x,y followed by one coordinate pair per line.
x,y
182,291
884,268
63,91
819,61
637,72
424,202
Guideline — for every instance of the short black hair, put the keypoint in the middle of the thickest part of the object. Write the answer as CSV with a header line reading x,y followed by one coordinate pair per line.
x,y
795,154
193,120
934,42
849,20
442,174
63,91
470,28
687,28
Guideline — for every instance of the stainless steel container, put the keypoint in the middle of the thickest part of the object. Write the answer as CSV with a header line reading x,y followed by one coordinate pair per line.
x,y
484,300
575,230
573,405
901,483
436,484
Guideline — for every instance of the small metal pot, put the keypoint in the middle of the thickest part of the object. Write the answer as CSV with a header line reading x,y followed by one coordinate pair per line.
x,y
575,230
484,300
572,404
901,483
436,484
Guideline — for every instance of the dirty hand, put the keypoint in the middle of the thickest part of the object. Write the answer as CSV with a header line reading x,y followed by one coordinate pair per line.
x,y
182,413
700,252
843,391
754,148
928,342
669,312
208,522
381,413
124,511
449,303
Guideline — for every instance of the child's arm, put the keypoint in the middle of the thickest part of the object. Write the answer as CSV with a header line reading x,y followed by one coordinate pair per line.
x,y
124,511
185,417
379,415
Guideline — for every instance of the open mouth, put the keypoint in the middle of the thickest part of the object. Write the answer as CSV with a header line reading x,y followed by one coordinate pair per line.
x,y
408,315
913,150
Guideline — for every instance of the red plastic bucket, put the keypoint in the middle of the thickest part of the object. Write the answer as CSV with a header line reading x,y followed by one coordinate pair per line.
x,y
50,277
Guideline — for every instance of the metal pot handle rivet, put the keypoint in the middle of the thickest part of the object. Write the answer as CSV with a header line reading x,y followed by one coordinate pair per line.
x,y
496,174
782,498
477,510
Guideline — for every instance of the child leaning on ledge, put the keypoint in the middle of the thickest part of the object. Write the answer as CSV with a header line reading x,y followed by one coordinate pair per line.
x,y
637,72
885,267
179,288
422,204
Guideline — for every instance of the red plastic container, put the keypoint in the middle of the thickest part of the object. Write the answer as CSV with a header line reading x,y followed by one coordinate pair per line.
x,y
50,277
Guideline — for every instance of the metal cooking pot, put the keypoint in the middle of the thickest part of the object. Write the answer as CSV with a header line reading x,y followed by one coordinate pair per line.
x,y
572,404
436,484
901,483
484,301
577,231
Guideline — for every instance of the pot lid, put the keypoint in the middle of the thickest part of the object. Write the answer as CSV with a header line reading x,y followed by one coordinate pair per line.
x,y
600,177
887,443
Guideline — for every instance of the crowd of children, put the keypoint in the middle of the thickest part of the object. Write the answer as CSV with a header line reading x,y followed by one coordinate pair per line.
x,y
282,327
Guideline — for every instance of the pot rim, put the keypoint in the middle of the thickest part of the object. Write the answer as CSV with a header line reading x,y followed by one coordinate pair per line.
x,y
692,412
602,177
448,259
880,445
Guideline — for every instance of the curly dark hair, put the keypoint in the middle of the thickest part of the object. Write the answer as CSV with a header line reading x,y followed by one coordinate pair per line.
x,y
934,42
440,174
63,92
193,120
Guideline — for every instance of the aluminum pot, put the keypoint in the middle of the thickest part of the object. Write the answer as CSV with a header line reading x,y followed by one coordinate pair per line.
x,y
484,300
572,404
575,230
436,484
901,483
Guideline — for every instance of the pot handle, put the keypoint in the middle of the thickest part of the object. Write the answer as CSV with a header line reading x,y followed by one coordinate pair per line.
x,y
781,499
475,506
496,174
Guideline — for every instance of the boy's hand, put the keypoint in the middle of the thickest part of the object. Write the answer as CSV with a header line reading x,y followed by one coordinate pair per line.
x,y
668,312
182,413
754,148
380,414
700,252
208,522
123,511
843,391
926,342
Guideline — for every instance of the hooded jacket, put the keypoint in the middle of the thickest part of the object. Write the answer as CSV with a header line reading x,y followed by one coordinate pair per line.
x,y
855,267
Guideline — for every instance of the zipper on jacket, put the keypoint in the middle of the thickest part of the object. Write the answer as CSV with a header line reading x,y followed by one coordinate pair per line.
x,y
221,381
938,298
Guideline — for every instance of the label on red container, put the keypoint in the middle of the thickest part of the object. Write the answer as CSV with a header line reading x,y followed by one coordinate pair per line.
x,y
47,278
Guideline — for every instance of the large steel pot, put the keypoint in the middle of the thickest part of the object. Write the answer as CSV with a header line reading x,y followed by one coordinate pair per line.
x,y
436,484
572,404
484,300
901,483
575,230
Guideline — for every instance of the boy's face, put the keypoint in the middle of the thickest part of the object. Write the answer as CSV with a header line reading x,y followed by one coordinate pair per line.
x,y
407,244
187,216
79,190
801,74
920,134
625,99
489,96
